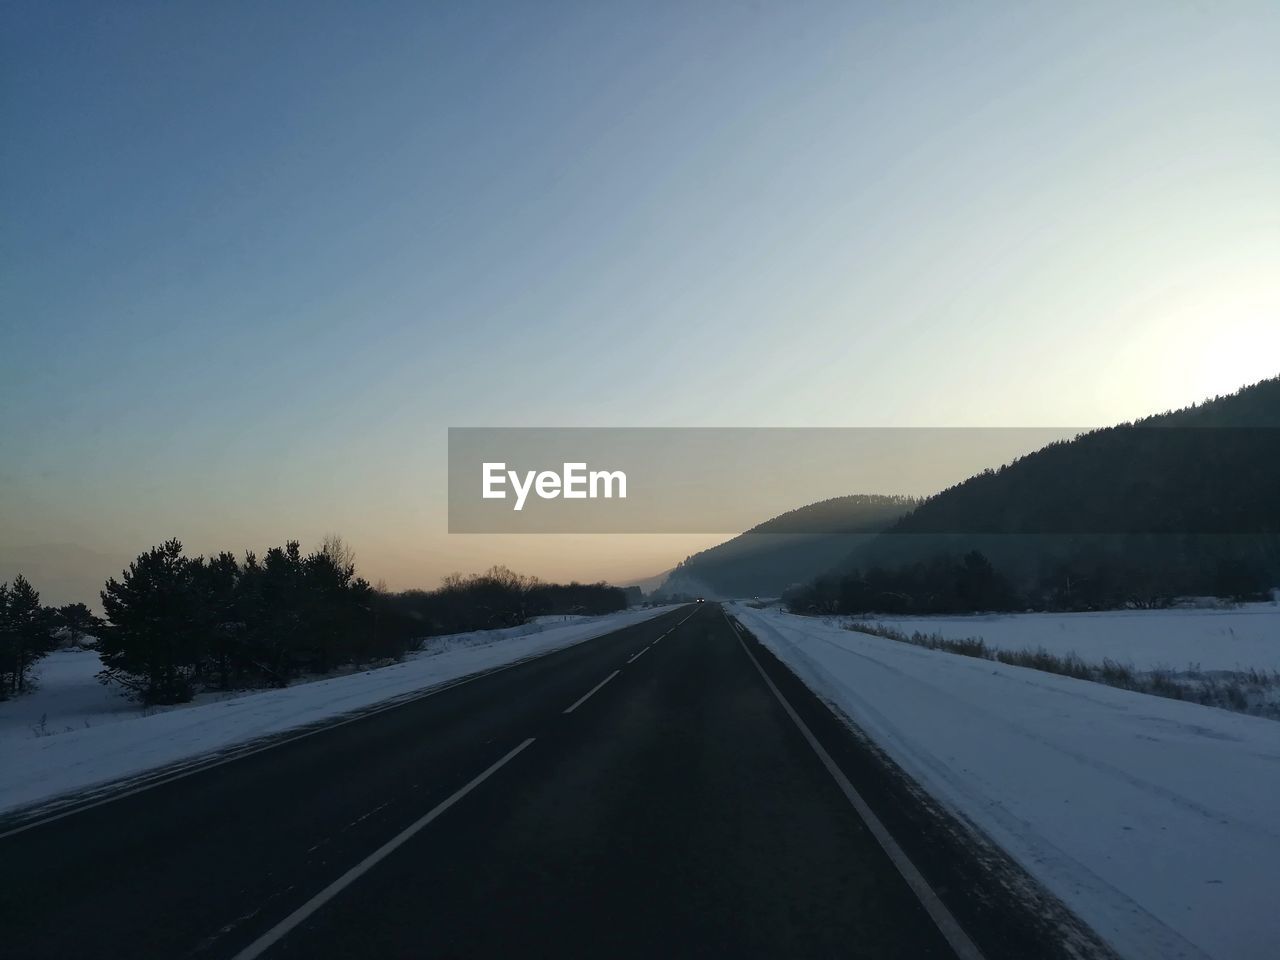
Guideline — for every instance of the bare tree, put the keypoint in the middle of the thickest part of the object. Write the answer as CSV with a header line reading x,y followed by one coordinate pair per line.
x,y
339,552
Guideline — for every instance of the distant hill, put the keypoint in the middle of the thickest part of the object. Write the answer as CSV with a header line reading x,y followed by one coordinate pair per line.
x,y
647,585
791,548
1185,501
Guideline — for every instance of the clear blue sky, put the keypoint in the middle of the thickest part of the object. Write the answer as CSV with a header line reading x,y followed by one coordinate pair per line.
x,y
258,257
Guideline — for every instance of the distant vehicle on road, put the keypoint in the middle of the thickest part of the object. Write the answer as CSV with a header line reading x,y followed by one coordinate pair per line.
x,y
700,600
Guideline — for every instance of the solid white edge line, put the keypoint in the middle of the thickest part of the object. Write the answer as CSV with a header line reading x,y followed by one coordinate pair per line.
x,y
320,726
583,699
947,924
193,765
281,929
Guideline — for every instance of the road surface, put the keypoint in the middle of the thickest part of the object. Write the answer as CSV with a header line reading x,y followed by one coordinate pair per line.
x,y
654,792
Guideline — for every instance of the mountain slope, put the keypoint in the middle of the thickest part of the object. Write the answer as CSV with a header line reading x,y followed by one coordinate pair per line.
x,y
790,548
1185,500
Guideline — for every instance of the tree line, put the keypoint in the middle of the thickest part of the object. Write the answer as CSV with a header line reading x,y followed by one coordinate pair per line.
x,y
942,584
176,625
1122,572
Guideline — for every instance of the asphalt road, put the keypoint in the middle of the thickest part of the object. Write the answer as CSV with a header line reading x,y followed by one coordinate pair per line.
x,y
644,794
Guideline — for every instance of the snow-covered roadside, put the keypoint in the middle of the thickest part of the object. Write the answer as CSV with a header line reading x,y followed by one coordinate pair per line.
x,y
37,768
1155,820
68,696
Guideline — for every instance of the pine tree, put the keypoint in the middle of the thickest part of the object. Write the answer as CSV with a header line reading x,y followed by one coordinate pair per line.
x,y
154,643
78,621
25,633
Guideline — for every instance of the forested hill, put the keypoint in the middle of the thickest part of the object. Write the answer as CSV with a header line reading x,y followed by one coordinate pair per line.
x,y
1181,502
790,548
1211,468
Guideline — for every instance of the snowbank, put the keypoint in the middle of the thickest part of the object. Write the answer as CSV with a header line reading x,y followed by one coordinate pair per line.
x,y
1157,821
68,695
125,743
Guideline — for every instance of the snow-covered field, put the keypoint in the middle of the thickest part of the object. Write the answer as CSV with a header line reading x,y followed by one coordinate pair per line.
x,y
72,733
1157,821
1238,638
